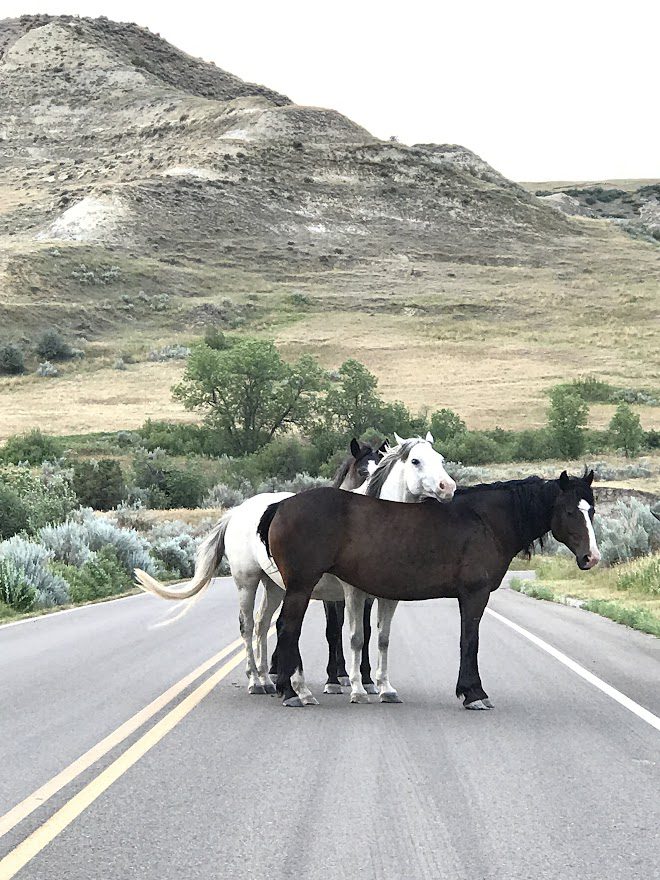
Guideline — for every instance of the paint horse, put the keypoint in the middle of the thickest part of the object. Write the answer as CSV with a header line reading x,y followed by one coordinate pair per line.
x,y
420,551
410,472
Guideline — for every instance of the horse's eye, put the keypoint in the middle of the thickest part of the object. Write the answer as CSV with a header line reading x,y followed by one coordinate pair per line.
x,y
415,461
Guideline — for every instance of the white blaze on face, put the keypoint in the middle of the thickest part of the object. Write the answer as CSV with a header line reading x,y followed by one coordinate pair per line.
x,y
594,552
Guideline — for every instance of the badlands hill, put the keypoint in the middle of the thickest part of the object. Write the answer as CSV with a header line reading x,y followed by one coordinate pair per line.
x,y
145,194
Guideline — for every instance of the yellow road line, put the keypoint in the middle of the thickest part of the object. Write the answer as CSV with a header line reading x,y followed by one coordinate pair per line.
x,y
32,845
46,791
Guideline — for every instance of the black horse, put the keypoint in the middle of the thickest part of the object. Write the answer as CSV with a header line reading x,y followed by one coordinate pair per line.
x,y
421,551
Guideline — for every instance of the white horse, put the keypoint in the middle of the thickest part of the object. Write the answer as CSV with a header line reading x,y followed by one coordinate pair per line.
x,y
409,472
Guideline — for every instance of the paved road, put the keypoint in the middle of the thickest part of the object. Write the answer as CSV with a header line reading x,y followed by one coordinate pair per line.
x,y
559,781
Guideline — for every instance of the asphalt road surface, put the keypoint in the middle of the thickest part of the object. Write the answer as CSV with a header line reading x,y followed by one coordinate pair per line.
x,y
560,780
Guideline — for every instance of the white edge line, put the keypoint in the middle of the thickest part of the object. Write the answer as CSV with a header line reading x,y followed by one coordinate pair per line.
x,y
617,696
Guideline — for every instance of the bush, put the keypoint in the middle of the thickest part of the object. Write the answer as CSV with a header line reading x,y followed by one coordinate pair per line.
x,y
165,484
12,361
472,447
14,589
101,576
177,551
169,353
630,531
626,431
216,339
131,548
47,498
99,484
14,516
532,445
299,483
52,347
32,562
445,425
224,496
567,417
642,576
180,439
47,371
67,542
32,447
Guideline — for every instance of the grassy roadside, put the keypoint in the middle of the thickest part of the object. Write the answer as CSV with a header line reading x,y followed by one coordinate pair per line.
x,y
628,593
8,615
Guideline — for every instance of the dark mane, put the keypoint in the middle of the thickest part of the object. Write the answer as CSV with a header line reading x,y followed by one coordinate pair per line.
x,y
342,471
384,469
532,497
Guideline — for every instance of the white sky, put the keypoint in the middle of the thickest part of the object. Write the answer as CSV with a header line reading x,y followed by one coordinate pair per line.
x,y
543,91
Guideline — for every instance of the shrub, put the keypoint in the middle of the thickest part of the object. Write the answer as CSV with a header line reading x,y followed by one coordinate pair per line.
x,y
630,531
626,431
101,576
532,445
216,339
169,353
131,548
299,483
52,347
99,484
32,447
177,552
14,515
566,418
14,589
67,542
642,576
32,561
472,447
222,495
46,370
47,498
180,439
165,484
11,360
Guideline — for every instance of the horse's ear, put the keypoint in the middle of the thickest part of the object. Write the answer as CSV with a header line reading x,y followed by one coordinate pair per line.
x,y
429,438
355,448
564,481
384,446
589,477
399,440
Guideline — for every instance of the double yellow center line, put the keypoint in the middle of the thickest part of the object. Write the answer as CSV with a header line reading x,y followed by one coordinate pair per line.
x,y
44,834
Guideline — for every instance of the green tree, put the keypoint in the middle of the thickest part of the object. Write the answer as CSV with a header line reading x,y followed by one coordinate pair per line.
x,y
99,484
352,404
626,431
446,424
11,360
567,417
248,393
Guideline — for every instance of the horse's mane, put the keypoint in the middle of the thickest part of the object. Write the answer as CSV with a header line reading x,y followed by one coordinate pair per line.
x,y
531,498
342,471
387,462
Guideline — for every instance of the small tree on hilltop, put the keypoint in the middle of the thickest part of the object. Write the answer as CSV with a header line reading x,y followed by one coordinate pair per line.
x,y
626,430
248,393
567,417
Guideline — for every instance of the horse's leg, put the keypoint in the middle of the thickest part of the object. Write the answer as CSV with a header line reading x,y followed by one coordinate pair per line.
x,y
270,602
355,600
289,663
386,609
333,636
365,665
247,593
469,686
342,674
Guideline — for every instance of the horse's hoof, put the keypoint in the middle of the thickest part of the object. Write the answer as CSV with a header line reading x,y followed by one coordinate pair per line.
x,y
359,698
256,689
479,704
344,680
310,701
333,689
390,697
370,687
269,689
293,703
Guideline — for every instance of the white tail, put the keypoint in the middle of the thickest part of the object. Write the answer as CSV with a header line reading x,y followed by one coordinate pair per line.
x,y
208,558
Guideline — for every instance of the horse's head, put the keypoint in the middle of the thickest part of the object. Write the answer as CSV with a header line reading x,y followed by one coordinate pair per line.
x,y
366,458
424,469
572,518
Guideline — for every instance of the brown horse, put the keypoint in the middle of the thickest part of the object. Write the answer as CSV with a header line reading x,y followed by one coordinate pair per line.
x,y
420,551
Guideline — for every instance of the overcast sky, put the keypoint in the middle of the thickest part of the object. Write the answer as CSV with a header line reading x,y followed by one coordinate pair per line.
x,y
543,91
